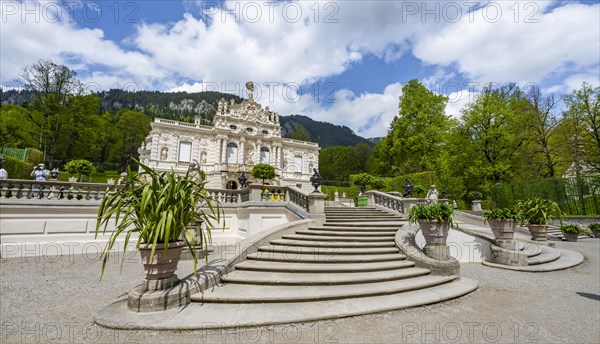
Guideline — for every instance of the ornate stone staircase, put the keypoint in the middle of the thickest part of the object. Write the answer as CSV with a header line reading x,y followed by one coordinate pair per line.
x,y
348,266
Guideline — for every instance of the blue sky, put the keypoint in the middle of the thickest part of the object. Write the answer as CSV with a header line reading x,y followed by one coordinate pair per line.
x,y
338,61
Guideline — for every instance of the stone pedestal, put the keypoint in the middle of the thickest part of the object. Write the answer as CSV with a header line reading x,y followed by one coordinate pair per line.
x,y
439,252
506,244
504,256
162,294
476,205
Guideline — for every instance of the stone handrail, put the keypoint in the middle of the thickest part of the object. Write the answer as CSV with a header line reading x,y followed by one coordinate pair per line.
x,y
52,189
299,198
393,202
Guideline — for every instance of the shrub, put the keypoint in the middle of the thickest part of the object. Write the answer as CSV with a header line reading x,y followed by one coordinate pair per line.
x,y
440,212
575,229
594,226
503,214
80,168
17,169
263,171
35,156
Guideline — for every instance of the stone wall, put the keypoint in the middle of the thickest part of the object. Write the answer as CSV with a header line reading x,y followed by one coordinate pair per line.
x,y
581,221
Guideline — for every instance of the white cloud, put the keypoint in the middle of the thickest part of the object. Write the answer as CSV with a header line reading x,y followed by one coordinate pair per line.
x,y
566,37
221,48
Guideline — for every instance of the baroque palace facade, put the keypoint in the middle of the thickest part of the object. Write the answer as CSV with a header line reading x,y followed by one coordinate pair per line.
x,y
241,136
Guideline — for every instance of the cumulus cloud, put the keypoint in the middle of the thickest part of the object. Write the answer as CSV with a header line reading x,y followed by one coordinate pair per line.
x,y
219,45
521,42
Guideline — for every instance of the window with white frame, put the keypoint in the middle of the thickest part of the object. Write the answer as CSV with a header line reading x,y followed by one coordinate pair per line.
x,y
232,153
185,151
298,164
264,155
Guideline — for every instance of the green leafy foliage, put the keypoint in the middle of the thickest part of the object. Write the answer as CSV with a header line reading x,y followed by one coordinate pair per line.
x,y
159,207
594,226
363,179
80,168
440,212
537,211
338,163
503,214
263,171
16,168
416,139
575,229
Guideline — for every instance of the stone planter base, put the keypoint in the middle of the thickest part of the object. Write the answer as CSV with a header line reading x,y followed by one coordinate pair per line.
x,y
596,233
538,232
572,237
160,295
507,256
439,252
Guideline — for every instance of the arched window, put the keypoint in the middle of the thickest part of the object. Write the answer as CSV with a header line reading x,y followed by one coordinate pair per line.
x,y
264,155
232,153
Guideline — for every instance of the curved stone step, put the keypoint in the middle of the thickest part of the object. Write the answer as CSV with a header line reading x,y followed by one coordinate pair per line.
x,y
361,216
323,258
390,233
328,250
356,212
335,238
365,220
352,229
327,244
243,293
547,256
568,259
531,250
388,224
257,265
300,278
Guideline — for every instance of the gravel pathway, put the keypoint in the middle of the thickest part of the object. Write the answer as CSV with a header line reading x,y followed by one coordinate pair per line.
x,y
53,299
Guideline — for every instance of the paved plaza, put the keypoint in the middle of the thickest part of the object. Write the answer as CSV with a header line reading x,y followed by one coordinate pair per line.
x,y
53,299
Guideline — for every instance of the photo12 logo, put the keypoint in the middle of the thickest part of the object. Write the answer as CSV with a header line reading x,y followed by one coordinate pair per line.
x,y
273,11
68,11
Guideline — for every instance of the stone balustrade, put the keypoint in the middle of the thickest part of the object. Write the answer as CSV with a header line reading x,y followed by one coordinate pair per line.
x,y
68,191
394,202
16,189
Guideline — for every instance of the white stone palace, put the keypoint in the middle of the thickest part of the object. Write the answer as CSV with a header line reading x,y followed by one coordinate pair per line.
x,y
241,136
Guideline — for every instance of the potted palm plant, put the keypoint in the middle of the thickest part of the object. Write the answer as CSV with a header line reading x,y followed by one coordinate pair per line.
x,y
595,229
161,209
434,220
536,212
571,232
503,222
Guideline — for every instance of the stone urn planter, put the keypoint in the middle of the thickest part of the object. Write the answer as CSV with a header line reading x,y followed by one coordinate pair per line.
x,y
434,232
538,232
160,266
571,237
503,229
536,212
434,220
595,229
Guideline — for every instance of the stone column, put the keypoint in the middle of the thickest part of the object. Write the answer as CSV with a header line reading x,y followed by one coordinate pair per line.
x,y
241,160
476,205
223,150
316,207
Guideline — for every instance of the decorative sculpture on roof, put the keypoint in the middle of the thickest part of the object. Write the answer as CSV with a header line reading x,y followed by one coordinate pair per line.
x,y
250,88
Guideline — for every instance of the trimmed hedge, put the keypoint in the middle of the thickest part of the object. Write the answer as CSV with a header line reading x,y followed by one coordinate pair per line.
x,y
16,168
35,156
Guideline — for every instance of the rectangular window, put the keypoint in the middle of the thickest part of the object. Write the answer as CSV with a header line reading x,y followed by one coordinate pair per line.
x,y
185,151
298,164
